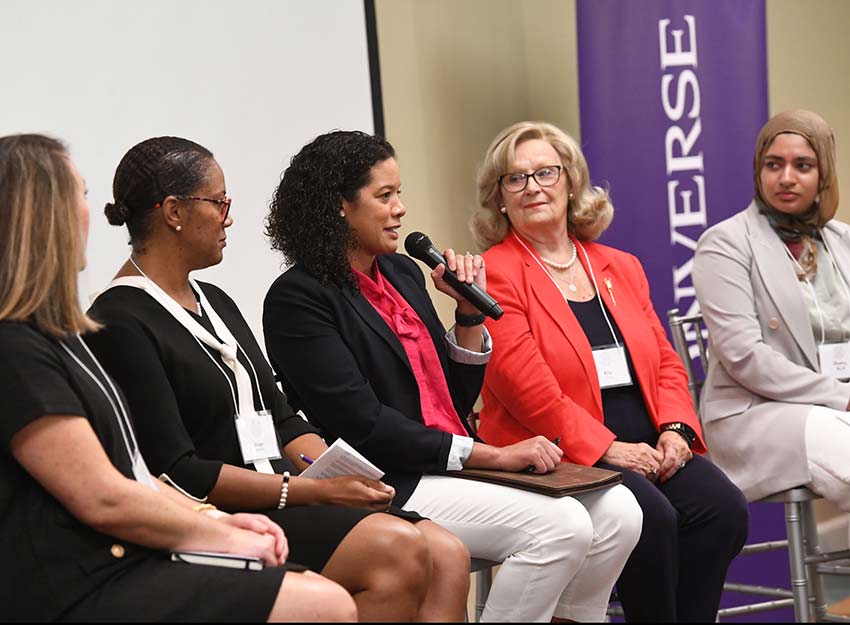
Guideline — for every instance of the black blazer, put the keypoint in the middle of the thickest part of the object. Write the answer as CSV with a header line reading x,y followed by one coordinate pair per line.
x,y
344,367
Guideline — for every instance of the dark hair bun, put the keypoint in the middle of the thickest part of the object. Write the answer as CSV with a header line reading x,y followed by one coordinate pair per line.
x,y
117,213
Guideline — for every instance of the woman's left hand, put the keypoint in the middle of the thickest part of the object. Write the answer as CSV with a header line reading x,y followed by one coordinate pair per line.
x,y
354,491
676,454
467,267
260,524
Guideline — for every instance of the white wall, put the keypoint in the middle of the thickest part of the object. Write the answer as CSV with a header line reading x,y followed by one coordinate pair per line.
x,y
251,81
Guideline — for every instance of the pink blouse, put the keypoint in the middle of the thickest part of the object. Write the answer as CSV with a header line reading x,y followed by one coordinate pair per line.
x,y
438,411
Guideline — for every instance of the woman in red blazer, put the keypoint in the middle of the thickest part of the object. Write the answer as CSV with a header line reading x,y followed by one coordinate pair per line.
x,y
581,358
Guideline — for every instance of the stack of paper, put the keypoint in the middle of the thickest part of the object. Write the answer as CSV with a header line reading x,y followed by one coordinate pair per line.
x,y
342,459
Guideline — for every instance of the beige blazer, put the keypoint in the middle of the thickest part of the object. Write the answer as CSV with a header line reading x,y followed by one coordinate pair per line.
x,y
763,375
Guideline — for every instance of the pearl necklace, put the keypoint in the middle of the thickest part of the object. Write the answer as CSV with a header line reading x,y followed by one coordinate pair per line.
x,y
565,265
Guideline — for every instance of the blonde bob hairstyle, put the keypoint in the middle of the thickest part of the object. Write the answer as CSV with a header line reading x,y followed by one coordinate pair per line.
x,y
39,236
589,212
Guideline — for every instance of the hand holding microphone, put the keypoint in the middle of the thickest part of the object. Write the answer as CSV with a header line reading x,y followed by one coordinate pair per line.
x,y
467,269
466,285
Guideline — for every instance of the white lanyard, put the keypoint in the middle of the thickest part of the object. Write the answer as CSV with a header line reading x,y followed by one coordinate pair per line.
x,y
228,348
561,291
140,469
224,332
612,368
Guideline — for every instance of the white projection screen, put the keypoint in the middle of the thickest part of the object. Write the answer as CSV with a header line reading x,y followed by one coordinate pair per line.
x,y
250,80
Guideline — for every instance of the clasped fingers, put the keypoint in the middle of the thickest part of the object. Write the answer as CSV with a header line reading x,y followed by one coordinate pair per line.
x,y
647,461
280,549
676,466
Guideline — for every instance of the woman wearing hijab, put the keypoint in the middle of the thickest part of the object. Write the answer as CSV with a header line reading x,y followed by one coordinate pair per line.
x,y
772,282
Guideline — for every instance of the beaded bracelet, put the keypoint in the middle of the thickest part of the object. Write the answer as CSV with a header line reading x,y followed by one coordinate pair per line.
x,y
284,491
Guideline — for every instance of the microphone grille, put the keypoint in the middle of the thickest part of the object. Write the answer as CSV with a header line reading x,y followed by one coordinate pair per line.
x,y
415,242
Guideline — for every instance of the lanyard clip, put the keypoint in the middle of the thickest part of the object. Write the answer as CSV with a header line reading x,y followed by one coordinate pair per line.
x,y
607,282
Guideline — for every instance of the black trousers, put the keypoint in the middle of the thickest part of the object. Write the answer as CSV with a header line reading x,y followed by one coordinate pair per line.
x,y
693,526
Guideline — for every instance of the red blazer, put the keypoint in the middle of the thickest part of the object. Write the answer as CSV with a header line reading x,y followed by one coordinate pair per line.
x,y
541,378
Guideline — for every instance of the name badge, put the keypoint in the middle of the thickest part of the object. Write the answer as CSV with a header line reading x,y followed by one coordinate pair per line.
x,y
611,366
257,437
835,360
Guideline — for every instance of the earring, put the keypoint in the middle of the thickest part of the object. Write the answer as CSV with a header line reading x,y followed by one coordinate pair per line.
x,y
571,195
178,228
342,213
503,209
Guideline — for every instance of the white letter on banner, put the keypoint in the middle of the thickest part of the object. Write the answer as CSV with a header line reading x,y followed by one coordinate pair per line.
x,y
686,78
679,274
684,162
676,238
686,217
677,56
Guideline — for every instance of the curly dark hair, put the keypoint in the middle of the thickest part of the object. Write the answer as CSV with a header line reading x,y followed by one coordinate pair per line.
x,y
148,173
304,221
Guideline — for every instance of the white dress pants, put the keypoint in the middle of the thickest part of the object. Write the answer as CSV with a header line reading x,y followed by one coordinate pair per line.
x,y
827,447
560,556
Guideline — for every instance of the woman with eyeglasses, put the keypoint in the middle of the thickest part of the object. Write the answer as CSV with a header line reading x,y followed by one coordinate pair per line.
x,y
211,420
85,530
355,337
580,354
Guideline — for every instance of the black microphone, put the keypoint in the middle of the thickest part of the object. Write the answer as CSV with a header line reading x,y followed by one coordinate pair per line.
x,y
419,246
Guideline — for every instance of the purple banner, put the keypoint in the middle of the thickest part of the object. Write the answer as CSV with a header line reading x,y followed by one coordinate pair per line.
x,y
673,94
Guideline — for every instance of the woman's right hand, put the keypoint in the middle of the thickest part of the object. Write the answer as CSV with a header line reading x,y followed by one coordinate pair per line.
x,y
537,452
355,492
637,457
467,268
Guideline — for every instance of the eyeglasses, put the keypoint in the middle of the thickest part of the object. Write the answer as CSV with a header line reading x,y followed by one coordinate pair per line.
x,y
223,205
545,177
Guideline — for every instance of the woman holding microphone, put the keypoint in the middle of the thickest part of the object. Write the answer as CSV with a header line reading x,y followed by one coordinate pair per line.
x,y
359,346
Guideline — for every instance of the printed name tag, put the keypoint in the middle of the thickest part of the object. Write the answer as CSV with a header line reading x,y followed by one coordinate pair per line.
x,y
611,366
257,437
835,360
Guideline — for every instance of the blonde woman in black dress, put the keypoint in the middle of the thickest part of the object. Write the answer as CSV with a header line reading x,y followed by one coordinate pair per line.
x,y
84,529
